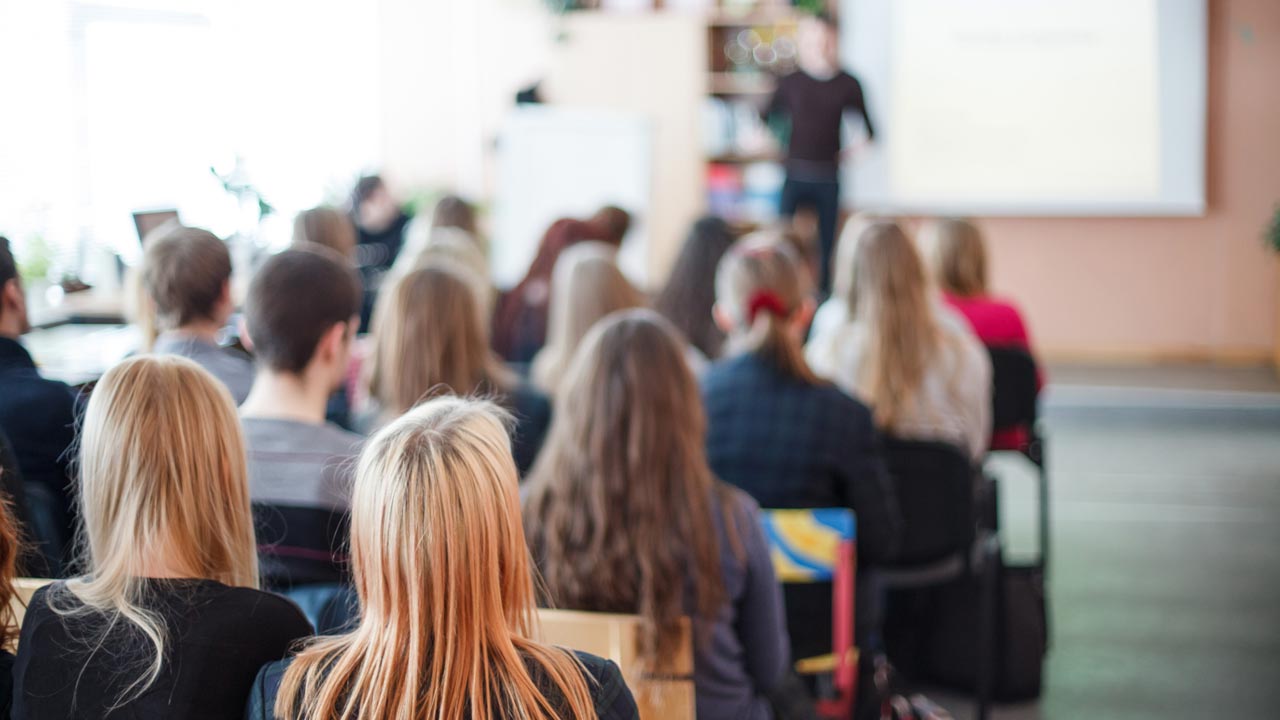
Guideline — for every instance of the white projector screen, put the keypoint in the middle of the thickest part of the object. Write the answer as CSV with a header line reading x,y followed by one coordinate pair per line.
x,y
1029,107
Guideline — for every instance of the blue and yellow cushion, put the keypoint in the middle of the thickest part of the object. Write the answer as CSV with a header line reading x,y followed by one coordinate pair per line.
x,y
805,543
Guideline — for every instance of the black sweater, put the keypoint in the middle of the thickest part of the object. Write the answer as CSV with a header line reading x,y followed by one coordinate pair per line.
x,y
218,637
815,108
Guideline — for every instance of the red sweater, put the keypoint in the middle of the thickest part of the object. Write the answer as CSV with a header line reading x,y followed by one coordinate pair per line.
x,y
997,323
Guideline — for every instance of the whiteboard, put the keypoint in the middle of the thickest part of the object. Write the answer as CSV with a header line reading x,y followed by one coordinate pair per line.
x,y
556,162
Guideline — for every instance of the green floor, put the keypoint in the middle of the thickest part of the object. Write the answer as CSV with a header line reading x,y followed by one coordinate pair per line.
x,y
1166,585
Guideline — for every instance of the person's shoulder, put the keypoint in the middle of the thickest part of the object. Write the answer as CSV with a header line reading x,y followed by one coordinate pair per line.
x,y
262,608
738,502
529,399
262,696
609,691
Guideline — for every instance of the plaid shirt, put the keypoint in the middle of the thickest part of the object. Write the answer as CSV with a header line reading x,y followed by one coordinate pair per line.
x,y
790,444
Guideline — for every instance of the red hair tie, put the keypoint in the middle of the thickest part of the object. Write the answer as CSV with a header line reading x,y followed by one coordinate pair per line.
x,y
765,300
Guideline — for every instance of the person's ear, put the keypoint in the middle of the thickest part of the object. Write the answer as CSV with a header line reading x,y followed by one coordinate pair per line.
x,y
723,319
334,342
245,339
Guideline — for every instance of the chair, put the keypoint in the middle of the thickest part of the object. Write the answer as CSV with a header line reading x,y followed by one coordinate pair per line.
x,y
23,589
818,545
667,694
1015,385
934,482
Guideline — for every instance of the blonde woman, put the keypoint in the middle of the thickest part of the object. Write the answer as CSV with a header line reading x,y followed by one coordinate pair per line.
x,y
623,515
167,621
326,226
445,590
924,375
587,285
429,337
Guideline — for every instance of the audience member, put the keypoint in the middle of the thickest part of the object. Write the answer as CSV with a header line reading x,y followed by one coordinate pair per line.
x,y
455,246
380,223
687,297
429,337
445,590
788,438
587,286
328,227
166,621
10,548
958,262
924,375
834,311
187,273
37,414
520,321
624,515
301,317
452,211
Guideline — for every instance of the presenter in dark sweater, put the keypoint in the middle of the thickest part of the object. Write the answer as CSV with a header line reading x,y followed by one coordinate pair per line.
x,y
814,99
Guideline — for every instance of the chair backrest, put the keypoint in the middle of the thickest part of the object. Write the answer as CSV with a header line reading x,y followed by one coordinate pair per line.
x,y
1015,387
819,545
669,693
23,589
934,482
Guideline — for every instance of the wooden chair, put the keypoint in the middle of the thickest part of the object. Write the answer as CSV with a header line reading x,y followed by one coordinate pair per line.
x,y
23,589
818,545
665,695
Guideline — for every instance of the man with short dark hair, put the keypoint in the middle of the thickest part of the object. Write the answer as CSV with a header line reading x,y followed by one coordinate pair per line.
x,y
300,317
187,273
38,416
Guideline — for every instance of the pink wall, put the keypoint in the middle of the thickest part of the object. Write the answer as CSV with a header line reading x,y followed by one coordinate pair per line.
x,y
1150,289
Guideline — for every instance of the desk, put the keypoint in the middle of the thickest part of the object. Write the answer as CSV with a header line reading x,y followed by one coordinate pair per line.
x,y
79,353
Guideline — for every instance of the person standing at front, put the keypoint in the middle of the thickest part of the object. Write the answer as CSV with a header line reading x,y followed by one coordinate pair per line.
x,y
814,99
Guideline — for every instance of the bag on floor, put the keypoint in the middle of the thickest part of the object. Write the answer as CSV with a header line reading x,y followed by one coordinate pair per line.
x,y
950,652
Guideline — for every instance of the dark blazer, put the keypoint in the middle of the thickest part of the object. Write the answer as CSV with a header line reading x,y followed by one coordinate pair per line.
x,y
532,411
612,698
38,415
791,444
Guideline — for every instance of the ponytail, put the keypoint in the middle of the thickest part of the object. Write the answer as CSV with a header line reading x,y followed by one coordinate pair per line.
x,y
761,284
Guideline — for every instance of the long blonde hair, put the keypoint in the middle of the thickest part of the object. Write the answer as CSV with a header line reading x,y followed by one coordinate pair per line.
x,y
889,296
445,586
619,506
586,286
429,335
761,284
162,475
956,257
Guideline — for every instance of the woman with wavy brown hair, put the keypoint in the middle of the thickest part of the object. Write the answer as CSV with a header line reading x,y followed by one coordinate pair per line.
x,y
623,515
446,593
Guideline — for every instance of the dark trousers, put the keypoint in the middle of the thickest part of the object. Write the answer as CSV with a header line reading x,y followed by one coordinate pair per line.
x,y
824,197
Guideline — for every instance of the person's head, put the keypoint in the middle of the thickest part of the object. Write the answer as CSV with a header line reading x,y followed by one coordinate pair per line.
x,y
444,581
889,296
956,257
610,225
763,302
817,43
13,301
429,336
587,286
450,245
619,500
162,493
302,313
372,206
687,298
187,274
846,245
452,211
328,227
